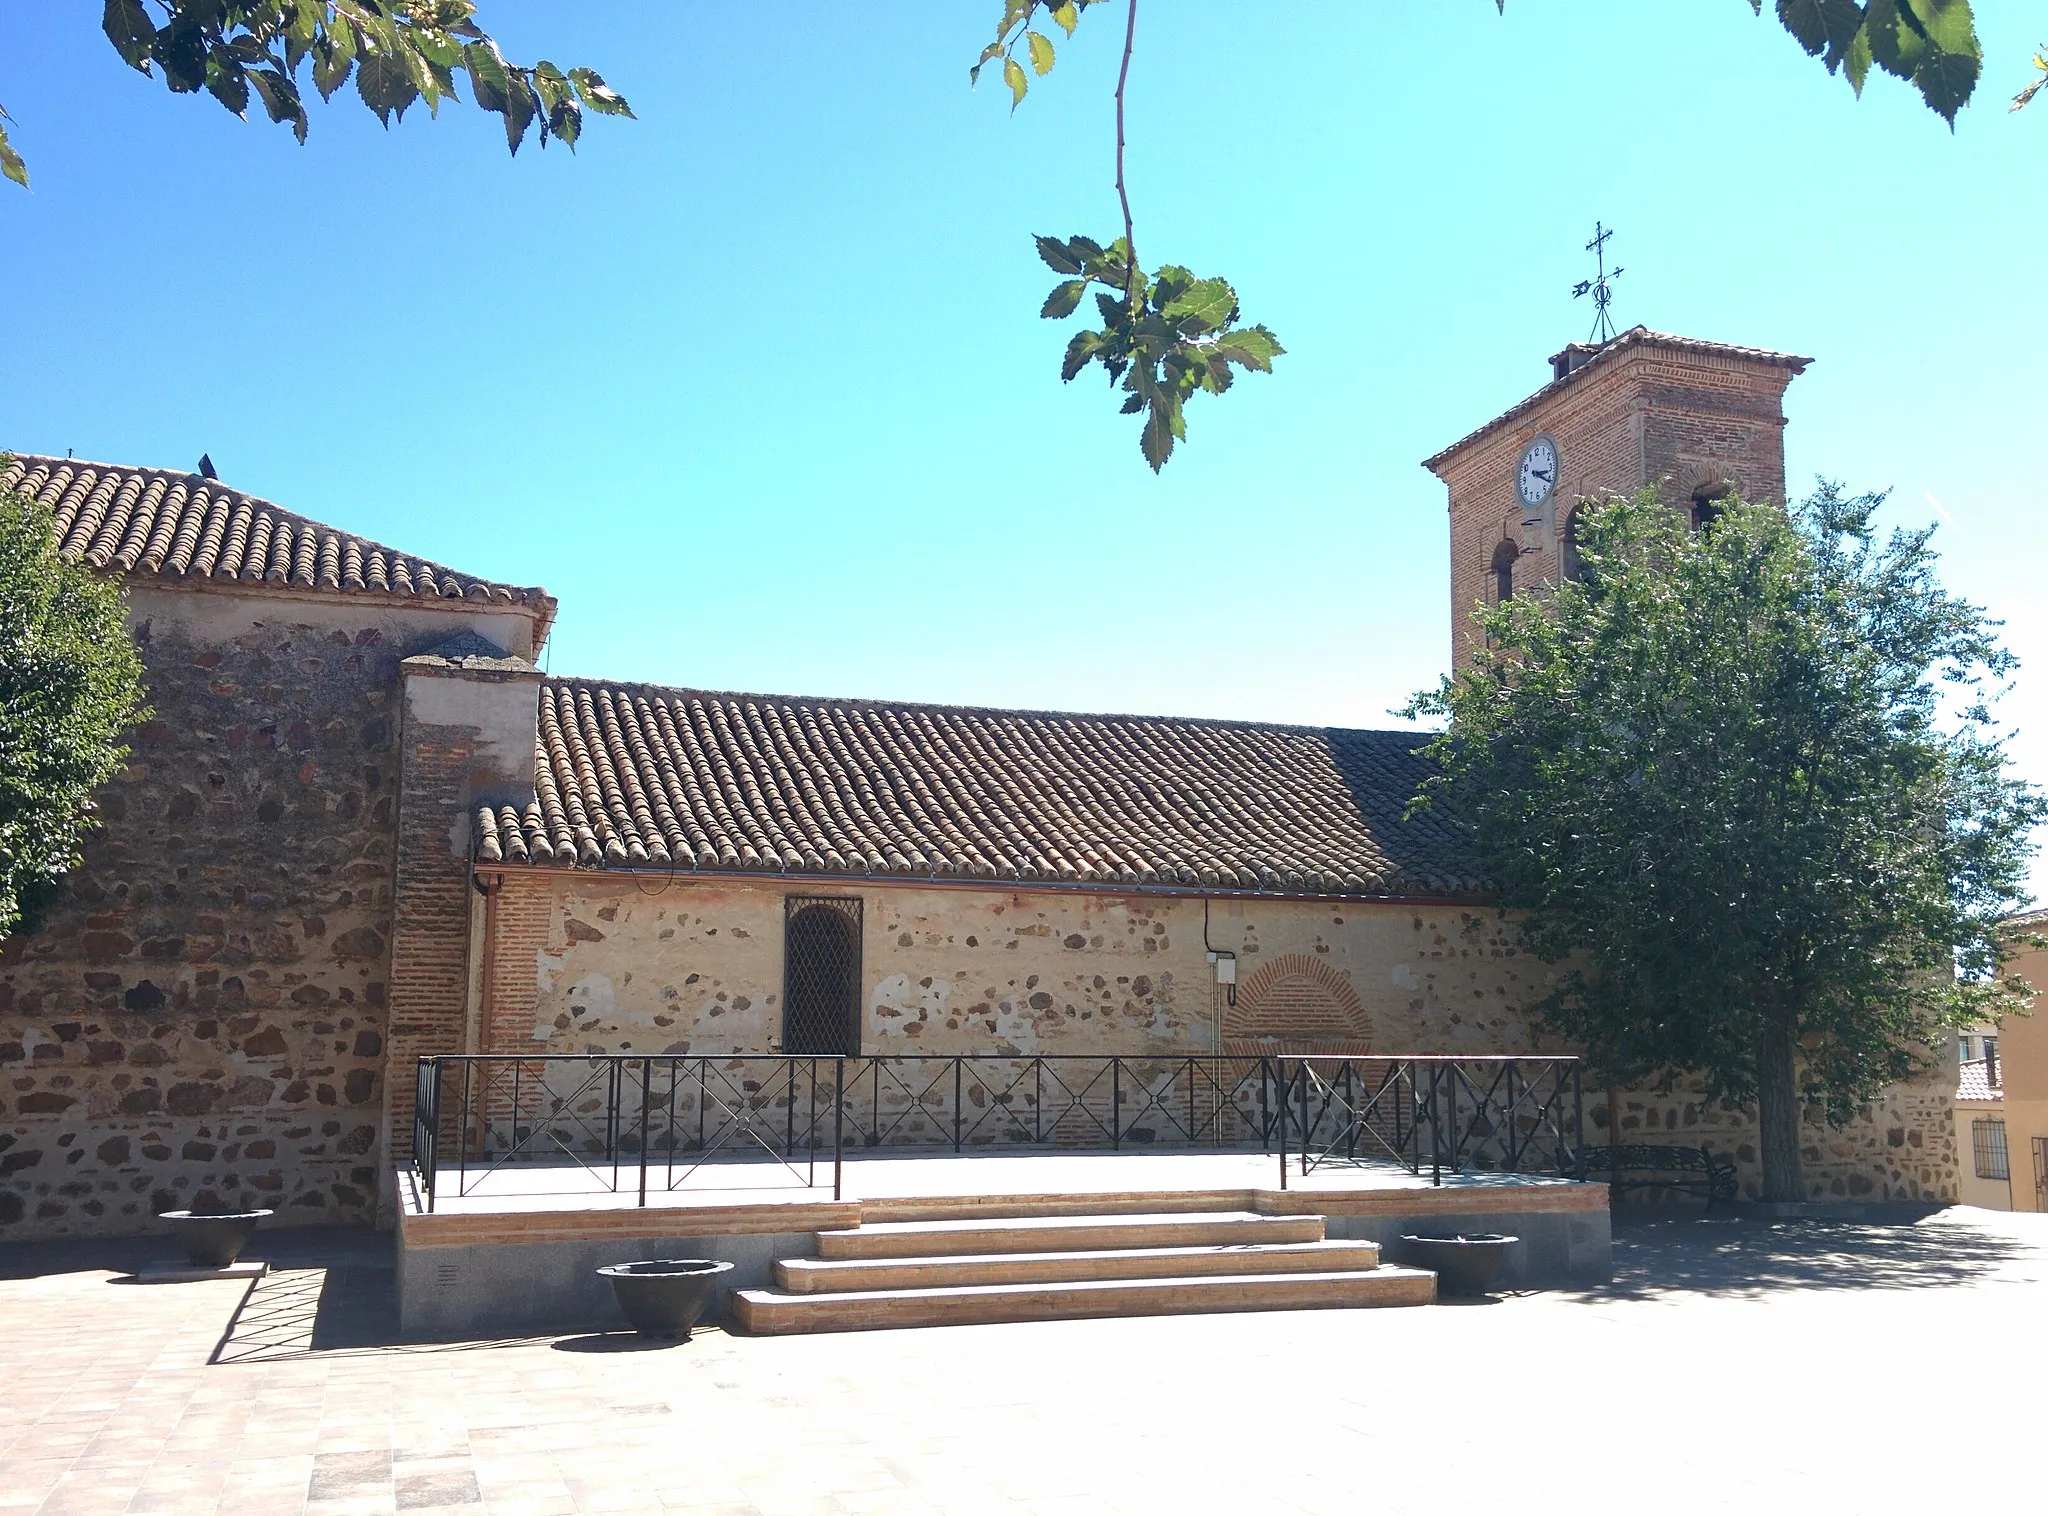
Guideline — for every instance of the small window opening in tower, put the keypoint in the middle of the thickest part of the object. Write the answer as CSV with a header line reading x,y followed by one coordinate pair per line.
x,y
1504,571
1709,503
1574,564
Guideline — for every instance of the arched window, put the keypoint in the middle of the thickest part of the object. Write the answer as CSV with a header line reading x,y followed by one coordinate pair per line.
x,y
1574,565
821,975
1504,571
1708,503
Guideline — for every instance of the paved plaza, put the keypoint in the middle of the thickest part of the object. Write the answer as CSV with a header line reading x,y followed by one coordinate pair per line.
x,y
1796,1366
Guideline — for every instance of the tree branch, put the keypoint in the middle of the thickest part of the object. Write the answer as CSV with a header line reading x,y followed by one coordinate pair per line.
x,y
1123,195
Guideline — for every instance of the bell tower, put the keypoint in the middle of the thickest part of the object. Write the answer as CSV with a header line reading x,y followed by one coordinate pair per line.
x,y
1697,420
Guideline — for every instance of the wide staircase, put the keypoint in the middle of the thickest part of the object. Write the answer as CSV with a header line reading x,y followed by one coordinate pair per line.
x,y
1032,1268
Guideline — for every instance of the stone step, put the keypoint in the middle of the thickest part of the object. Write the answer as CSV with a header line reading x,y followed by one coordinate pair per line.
x,y
812,1276
1064,1234
774,1313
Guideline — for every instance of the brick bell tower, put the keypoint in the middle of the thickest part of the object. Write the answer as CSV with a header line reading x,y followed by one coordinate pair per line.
x,y
1698,420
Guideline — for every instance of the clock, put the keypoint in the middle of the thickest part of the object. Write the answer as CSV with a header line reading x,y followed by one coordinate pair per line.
x,y
1536,474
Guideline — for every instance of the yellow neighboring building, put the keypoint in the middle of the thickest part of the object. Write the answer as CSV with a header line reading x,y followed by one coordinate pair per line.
x,y
2022,1058
1985,1165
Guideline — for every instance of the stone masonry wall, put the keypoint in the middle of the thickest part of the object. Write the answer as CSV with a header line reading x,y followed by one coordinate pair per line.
x,y
595,963
201,1018
603,963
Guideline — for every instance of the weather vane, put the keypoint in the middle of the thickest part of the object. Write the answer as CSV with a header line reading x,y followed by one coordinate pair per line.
x,y
1601,285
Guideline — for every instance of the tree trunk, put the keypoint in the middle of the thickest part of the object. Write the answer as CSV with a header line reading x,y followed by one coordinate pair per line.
x,y
1777,1110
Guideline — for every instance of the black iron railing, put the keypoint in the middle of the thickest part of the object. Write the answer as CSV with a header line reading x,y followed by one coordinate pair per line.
x,y
649,1123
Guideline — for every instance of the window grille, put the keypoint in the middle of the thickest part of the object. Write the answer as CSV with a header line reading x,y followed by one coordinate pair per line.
x,y
2041,1173
821,974
1987,1143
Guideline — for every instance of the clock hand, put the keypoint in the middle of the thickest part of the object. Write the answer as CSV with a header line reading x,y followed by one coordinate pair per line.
x,y
1539,473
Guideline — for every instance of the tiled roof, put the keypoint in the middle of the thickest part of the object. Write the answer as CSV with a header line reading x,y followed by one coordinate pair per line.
x,y
151,521
1973,1084
641,777
1635,336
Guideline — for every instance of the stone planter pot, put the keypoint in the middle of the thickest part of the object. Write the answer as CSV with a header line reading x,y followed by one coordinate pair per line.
x,y
663,1297
213,1239
1465,1264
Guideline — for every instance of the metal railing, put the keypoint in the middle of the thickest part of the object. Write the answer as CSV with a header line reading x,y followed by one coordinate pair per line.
x,y
649,1123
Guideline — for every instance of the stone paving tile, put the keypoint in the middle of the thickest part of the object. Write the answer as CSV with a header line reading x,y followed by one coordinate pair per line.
x,y
177,1401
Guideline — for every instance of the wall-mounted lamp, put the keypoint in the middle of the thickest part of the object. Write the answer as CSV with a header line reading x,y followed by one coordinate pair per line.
x,y
1226,973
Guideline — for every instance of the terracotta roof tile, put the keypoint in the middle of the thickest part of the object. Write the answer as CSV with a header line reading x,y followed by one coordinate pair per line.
x,y
1974,1083
182,526
631,776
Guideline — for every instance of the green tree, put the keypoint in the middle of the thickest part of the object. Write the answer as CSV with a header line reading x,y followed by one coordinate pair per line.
x,y
398,51
1745,787
70,686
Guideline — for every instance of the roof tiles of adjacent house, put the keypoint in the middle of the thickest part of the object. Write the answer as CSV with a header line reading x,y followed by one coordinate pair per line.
x,y
637,777
1974,1082
147,521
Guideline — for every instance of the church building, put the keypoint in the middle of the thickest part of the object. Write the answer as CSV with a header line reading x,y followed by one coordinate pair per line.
x,y
361,827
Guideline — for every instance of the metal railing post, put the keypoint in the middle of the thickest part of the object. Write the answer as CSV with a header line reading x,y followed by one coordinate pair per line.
x,y
1436,1124
1116,1104
646,1079
838,1122
959,1070
1280,1072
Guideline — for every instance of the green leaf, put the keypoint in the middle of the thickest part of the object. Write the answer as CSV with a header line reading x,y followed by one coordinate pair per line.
x,y
129,28
597,95
1896,46
1014,77
1088,250
227,81
521,106
333,58
1822,26
281,99
490,81
1947,24
1202,307
1041,52
10,161
1066,16
386,86
1162,425
1946,82
1079,351
1856,62
1063,299
1253,346
1057,256
181,49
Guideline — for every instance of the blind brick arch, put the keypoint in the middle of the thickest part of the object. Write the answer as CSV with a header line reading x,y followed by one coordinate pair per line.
x,y
1296,1003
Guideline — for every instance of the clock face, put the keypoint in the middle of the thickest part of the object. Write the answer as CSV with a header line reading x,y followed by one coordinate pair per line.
x,y
1536,475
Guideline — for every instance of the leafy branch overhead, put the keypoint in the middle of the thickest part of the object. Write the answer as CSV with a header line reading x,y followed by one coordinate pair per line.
x,y
1932,44
399,52
1163,339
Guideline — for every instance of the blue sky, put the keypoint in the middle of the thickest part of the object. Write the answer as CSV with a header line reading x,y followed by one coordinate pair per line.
x,y
756,386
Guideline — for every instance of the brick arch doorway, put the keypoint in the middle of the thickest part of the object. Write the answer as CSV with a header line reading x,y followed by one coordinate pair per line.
x,y
1296,1003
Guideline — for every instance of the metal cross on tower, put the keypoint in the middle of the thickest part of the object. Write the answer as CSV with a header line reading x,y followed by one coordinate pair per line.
x,y
1601,284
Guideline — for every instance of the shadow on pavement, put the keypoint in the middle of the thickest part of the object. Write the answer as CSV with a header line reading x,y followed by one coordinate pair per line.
x,y
616,1342
1744,1258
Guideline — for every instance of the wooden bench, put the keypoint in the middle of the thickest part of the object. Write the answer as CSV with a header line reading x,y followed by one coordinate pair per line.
x,y
1652,1166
